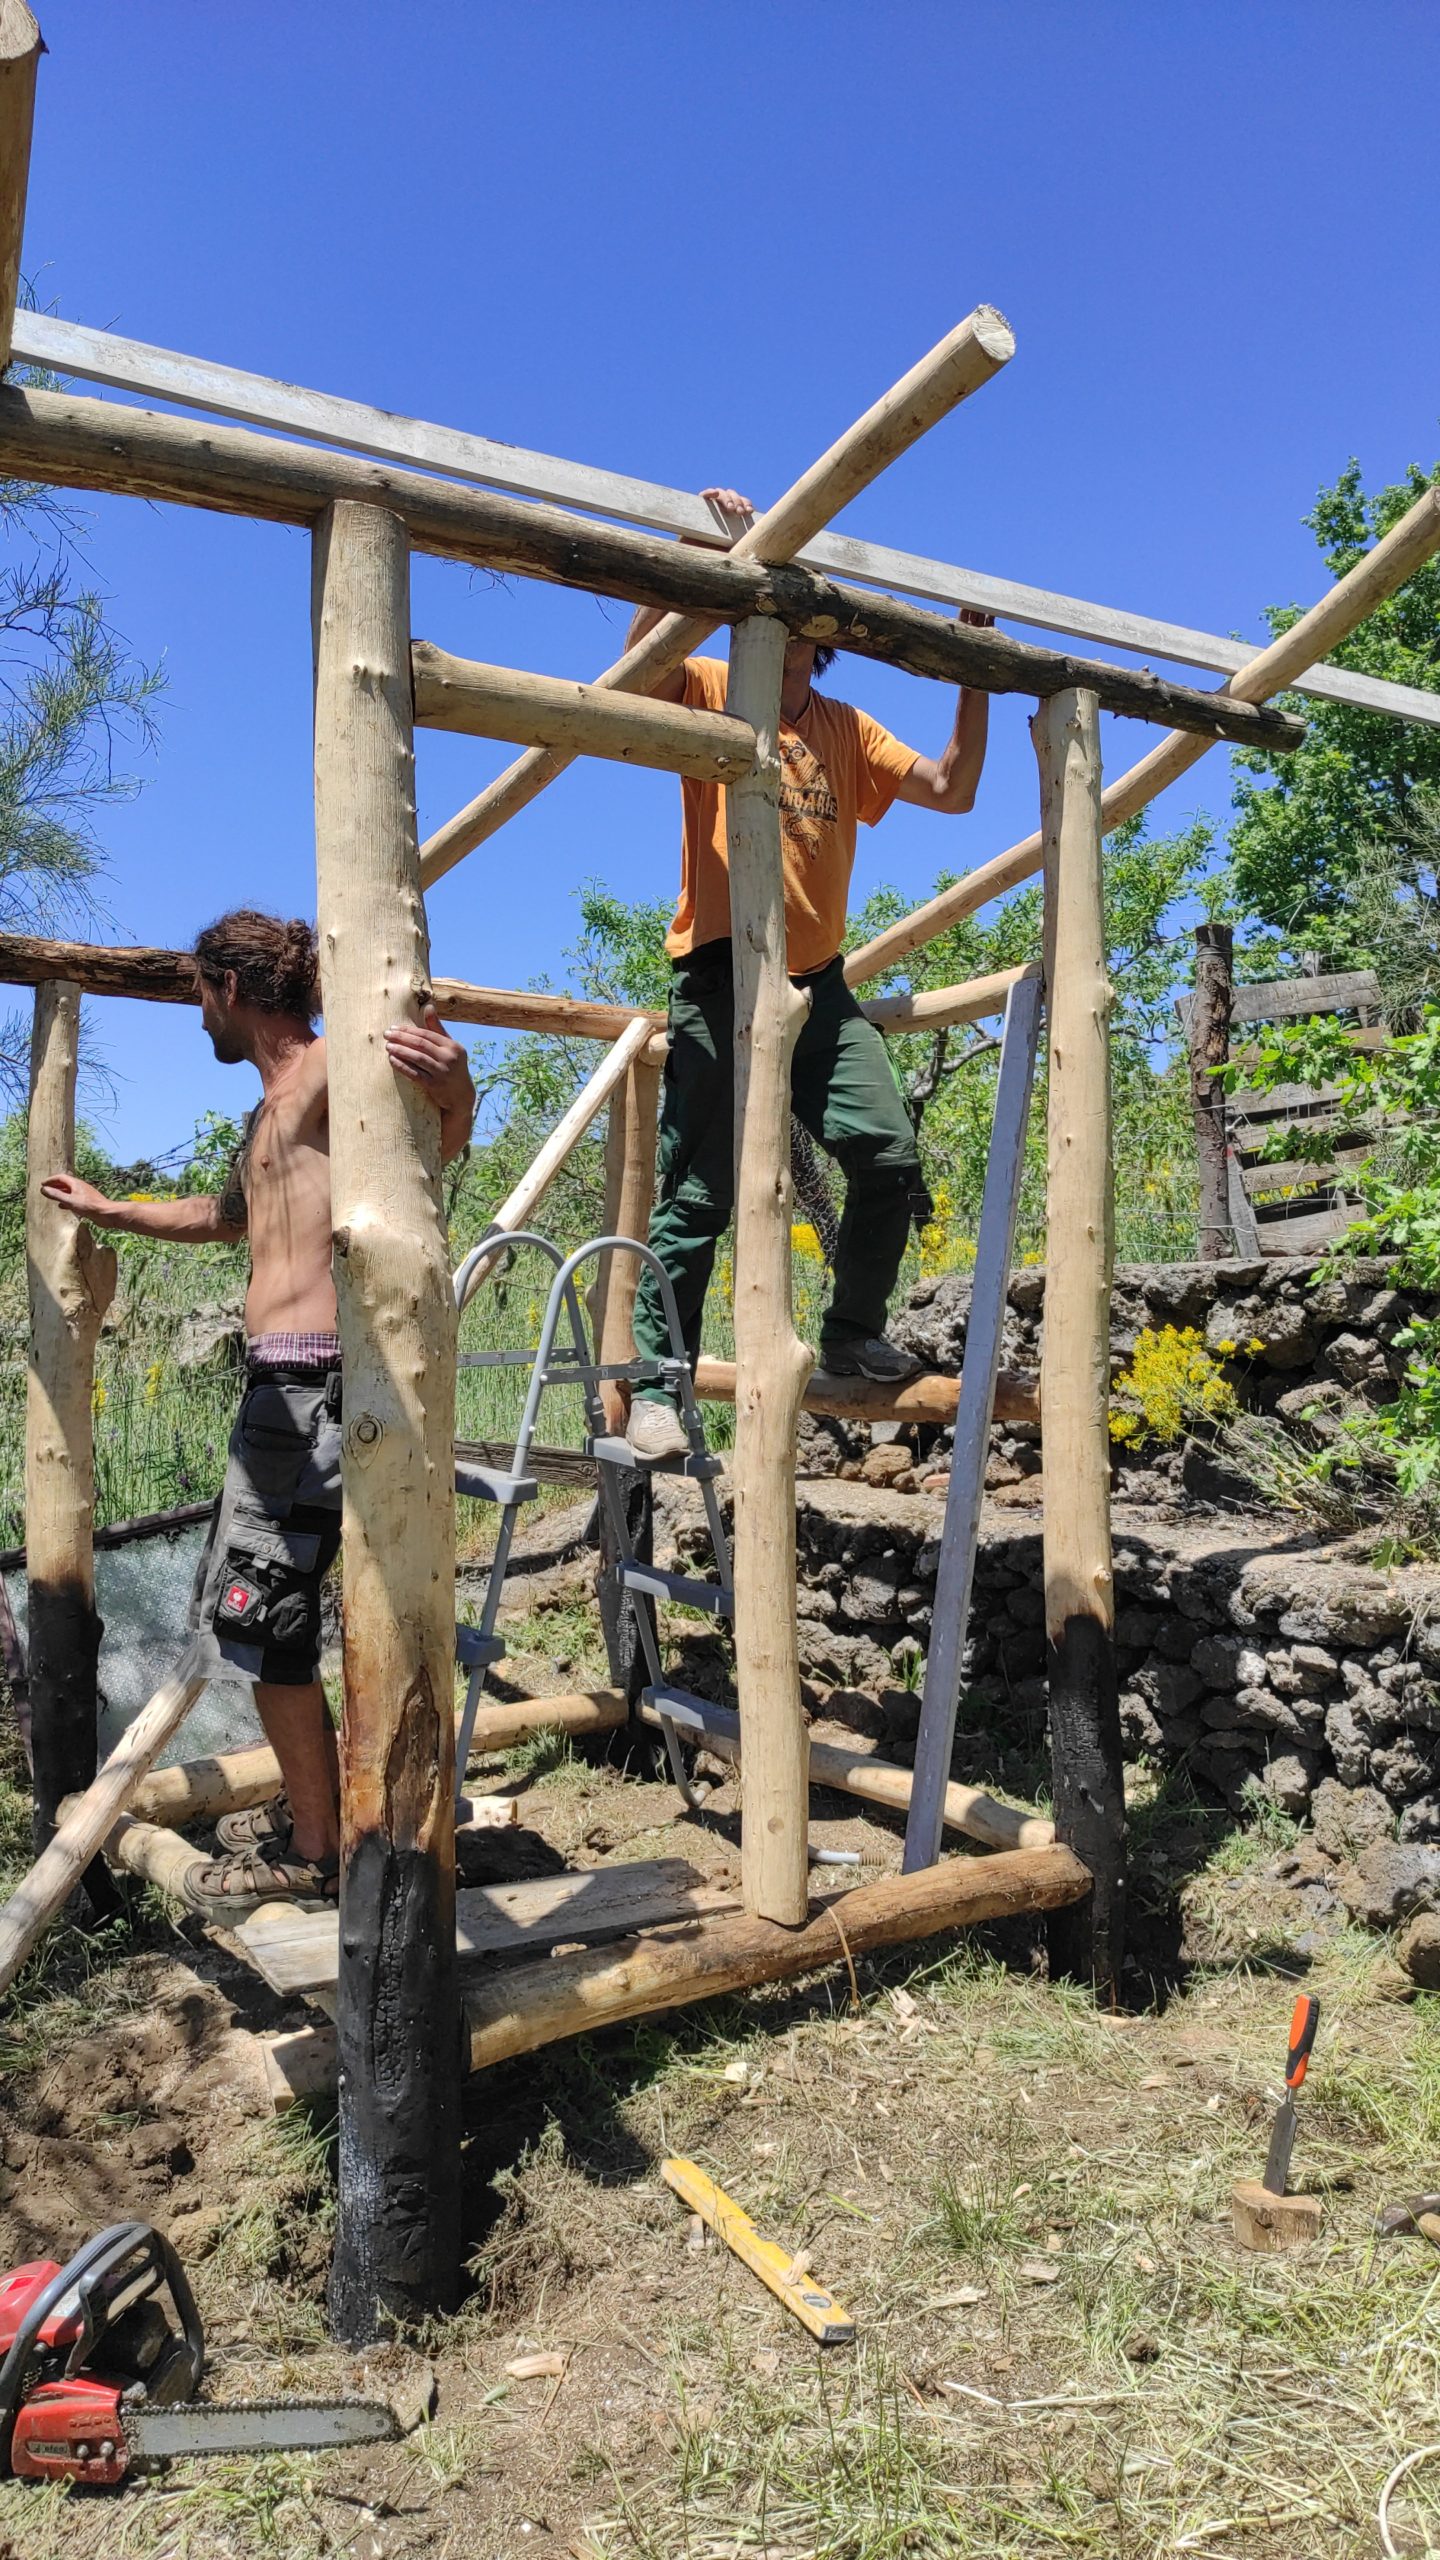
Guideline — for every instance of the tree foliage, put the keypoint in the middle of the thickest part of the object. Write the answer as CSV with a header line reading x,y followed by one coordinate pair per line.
x,y
71,696
1327,843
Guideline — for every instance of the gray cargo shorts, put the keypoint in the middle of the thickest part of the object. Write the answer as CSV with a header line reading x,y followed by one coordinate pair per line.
x,y
276,1530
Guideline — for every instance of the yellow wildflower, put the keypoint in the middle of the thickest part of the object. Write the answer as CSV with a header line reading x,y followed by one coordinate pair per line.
x,y
805,1242
1254,1343
153,1376
1171,1382
97,1398
1227,1346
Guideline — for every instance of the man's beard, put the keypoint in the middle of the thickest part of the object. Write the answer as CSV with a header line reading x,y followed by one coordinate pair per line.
x,y
227,1048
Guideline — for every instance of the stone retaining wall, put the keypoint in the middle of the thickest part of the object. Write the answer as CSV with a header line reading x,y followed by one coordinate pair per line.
x,y
1295,1336
1262,1657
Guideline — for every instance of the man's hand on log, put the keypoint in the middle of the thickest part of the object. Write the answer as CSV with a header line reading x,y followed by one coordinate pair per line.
x,y
426,1054
82,1199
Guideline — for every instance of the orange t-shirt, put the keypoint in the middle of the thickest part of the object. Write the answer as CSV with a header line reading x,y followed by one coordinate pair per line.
x,y
838,766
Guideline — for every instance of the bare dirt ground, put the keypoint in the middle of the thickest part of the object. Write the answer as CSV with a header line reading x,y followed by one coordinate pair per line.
x,y
1023,2203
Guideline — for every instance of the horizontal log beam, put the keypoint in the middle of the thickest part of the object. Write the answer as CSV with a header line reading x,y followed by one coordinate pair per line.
x,y
883,1782
523,2006
197,382
940,1008
92,444
198,1790
576,719
931,1399
228,1781
155,1853
168,977
580,1713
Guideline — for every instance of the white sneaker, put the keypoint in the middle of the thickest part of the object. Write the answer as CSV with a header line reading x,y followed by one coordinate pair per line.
x,y
656,1431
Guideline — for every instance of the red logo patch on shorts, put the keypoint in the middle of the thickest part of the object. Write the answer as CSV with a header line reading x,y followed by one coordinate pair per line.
x,y
240,1602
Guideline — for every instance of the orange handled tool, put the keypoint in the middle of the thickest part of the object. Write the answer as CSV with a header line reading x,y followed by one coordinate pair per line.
x,y
1304,2019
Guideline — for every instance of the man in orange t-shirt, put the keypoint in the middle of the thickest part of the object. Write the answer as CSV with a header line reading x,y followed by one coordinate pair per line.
x,y
839,768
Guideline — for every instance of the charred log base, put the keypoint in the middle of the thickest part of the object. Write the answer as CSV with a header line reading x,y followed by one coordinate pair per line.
x,y
397,2027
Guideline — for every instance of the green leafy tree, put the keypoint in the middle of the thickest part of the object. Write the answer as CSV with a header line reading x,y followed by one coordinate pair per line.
x,y
71,695
1332,850
949,1077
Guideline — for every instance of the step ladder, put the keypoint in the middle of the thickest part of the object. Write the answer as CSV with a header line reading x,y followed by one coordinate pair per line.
x,y
564,1357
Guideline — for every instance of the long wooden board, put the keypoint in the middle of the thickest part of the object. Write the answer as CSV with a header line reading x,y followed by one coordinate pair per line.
x,y
99,355
298,1951
1291,999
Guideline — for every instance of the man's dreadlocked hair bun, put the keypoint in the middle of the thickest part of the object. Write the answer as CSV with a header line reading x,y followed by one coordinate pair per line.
x,y
276,964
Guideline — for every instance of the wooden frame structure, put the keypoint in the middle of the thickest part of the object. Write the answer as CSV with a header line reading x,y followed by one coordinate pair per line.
x,y
397,1988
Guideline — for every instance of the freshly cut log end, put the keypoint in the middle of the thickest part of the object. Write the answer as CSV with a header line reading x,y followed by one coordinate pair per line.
x,y
994,332
1267,2223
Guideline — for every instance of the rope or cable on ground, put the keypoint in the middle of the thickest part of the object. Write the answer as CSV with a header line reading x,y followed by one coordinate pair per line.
x,y
1425,2453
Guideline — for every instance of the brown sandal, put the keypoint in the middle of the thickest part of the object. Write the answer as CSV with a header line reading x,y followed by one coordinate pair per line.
x,y
266,1827
229,1888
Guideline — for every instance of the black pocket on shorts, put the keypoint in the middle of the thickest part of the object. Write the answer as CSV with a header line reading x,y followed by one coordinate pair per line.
x,y
275,1432
267,1592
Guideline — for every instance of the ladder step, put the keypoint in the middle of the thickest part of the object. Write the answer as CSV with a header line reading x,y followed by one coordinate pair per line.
x,y
472,1649
612,1452
676,1586
692,1715
492,1484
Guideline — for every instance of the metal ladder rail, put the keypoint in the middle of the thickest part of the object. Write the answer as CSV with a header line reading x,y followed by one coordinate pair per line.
x,y
479,1649
482,1648
960,1537
614,1455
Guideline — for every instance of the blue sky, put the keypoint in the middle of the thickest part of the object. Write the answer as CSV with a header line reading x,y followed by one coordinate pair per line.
x,y
694,242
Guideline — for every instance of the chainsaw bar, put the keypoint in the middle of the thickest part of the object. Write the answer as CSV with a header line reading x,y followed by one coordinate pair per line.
x,y
285,2425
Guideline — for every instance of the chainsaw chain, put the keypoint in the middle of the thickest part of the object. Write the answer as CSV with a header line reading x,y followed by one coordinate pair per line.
x,y
274,2407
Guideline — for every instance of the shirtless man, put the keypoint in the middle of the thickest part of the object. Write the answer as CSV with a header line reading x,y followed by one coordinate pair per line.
x,y
839,769
276,1530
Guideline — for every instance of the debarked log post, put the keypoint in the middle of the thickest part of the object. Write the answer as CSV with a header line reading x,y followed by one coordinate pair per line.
x,y
20,51
1209,1047
71,1276
629,1194
771,1362
397,2016
1075,1357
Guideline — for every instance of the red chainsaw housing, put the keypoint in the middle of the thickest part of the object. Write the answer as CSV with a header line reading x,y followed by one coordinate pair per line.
x,y
18,2290
71,2430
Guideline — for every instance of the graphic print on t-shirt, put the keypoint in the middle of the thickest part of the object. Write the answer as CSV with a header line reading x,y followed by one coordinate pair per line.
x,y
807,804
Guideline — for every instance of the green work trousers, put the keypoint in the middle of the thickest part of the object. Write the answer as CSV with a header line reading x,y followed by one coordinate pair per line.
x,y
843,1089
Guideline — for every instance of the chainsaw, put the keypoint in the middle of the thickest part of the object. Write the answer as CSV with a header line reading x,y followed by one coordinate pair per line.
x,y
99,2379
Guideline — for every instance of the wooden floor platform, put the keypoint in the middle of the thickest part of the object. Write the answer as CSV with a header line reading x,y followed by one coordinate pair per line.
x,y
698,1944
298,1951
